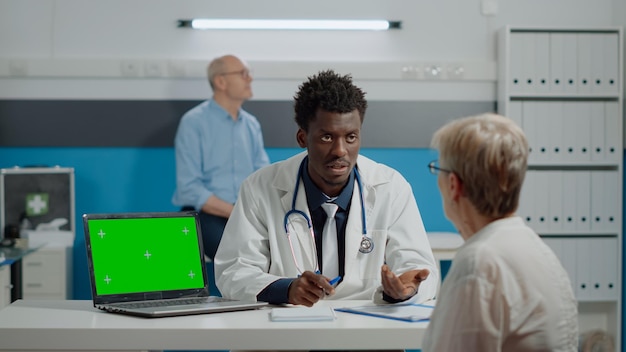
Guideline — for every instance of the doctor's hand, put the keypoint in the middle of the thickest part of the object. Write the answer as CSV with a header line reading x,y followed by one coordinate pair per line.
x,y
404,286
309,288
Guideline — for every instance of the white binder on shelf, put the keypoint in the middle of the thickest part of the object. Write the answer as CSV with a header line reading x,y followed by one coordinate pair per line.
x,y
583,269
542,208
596,131
605,255
603,260
542,133
555,201
570,62
584,62
541,65
582,124
570,195
598,84
526,209
528,62
612,204
613,135
597,263
516,59
583,200
611,63
557,63
529,125
570,130
554,126
598,202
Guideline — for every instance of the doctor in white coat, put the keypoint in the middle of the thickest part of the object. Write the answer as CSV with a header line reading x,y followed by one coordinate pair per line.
x,y
272,245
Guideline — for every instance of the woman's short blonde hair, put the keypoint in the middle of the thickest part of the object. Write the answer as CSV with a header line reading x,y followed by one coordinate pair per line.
x,y
489,153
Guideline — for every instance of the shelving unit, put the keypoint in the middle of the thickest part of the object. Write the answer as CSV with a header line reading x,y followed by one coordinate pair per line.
x,y
564,87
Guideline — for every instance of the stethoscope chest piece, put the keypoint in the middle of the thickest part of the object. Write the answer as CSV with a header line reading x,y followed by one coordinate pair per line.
x,y
367,246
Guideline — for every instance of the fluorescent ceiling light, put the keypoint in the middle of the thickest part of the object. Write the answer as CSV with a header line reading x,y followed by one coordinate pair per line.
x,y
374,25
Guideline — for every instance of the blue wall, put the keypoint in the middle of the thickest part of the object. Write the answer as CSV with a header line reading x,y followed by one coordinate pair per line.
x,y
111,180
142,179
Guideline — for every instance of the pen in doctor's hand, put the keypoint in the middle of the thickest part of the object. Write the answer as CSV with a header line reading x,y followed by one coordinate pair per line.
x,y
334,281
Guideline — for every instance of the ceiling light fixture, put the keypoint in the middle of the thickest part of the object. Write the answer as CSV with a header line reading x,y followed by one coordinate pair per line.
x,y
348,25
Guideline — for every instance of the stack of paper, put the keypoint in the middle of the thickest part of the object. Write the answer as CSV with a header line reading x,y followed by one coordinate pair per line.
x,y
303,314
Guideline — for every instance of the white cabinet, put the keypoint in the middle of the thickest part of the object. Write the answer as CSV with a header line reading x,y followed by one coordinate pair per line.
x,y
564,87
5,285
47,273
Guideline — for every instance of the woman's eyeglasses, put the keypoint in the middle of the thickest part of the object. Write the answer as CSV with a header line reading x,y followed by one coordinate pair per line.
x,y
434,168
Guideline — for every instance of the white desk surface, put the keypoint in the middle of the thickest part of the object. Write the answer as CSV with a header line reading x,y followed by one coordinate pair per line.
x,y
77,325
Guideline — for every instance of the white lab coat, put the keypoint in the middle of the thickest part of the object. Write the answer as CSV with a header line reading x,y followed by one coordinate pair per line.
x,y
254,250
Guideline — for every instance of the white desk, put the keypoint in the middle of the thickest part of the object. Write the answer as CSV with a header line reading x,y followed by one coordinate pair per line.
x,y
76,325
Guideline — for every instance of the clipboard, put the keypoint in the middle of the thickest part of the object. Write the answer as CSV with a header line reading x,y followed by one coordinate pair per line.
x,y
409,312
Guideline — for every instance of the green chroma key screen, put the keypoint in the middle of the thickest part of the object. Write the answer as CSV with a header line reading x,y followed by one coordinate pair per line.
x,y
145,255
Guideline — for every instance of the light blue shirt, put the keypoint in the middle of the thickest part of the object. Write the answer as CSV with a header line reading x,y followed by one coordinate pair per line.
x,y
215,153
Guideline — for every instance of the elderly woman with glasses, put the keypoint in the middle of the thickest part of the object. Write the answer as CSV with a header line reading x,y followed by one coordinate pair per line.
x,y
506,289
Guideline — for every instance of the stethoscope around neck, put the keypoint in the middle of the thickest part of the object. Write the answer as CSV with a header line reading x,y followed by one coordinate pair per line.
x,y
366,246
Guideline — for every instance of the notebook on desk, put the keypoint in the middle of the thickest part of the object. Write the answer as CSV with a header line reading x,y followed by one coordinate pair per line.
x,y
151,265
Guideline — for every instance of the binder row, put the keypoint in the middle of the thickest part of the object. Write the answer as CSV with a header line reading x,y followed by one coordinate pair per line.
x,y
578,202
562,132
564,62
591,264
564,87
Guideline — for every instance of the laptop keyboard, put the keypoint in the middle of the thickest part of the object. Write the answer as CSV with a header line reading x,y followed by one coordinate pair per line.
x,y
171,302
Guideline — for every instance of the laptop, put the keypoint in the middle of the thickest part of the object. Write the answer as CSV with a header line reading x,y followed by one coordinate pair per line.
x,y
151,265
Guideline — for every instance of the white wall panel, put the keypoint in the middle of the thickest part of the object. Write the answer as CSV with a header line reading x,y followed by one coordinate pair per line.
x,y
148,89
26,28
432,30
73,34
185,79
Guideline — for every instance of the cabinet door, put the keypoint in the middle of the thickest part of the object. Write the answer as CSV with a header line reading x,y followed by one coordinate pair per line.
x,y
5,286
44,274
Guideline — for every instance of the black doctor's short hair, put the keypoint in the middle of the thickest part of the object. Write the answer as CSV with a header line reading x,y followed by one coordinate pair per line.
x,y
328,91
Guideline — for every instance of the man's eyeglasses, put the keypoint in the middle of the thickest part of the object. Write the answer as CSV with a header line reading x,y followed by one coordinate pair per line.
x,y
245,73
434,168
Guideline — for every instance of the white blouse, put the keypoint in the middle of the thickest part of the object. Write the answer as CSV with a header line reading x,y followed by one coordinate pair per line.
x,y
506,291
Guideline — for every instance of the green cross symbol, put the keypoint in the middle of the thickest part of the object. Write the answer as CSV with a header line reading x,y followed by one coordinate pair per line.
x,y
36,204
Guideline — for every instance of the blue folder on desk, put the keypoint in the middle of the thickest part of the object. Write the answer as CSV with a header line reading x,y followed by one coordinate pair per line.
x,y
151,265
409,312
